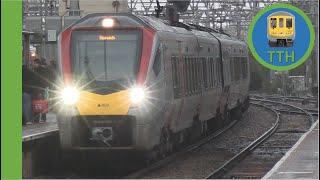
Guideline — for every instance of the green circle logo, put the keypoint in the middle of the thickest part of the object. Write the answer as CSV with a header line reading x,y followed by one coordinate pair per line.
x,y
281,37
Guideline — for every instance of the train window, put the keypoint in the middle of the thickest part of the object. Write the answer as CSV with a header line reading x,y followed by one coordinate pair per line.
x,y
195,82
200,74
175,76
245,69
234,67
237,68
242,67
193,76
273,22
197,75
207,73
187,75
203,75
211,72
289,22
246,65
157,63
180,68
231,69
216,73
97,62
190,81
182,72
89,60
204,72
191,71
281,22
219,70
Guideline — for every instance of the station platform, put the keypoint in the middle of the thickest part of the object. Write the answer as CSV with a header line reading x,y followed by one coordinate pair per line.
x,y
302,160
39,130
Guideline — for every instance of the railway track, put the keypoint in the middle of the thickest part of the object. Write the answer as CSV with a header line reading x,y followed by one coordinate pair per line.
x,y
238,157
143,173
163,162
309,104
276,140
257,159
302,100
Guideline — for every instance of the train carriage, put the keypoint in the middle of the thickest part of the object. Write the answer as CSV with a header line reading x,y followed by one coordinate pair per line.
x,y
137,83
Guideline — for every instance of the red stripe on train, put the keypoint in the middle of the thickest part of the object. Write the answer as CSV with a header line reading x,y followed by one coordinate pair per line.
x,y
148,36
65,56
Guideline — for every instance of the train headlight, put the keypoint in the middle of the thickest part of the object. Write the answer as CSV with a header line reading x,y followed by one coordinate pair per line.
x,y
137,95
70,95
107,22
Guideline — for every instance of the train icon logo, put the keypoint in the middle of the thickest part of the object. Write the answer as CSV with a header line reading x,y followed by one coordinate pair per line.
x,y
281,37
281,29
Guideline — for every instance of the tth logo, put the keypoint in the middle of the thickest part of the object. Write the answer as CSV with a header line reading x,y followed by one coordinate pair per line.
x,y
281,37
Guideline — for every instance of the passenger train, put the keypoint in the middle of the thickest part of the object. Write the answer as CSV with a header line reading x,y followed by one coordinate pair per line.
x,y
281,29
140,83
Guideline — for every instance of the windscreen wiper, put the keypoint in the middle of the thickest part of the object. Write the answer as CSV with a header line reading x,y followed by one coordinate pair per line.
x,y
89,74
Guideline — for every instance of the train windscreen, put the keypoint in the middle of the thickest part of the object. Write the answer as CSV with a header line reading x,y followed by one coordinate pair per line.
x,y
273,23
106,61
289,23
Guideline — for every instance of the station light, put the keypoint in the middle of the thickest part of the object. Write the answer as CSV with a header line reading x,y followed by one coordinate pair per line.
x,y
107,22
70,95
137,95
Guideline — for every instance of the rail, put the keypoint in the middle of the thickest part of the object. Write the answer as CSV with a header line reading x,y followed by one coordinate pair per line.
x,y
224,168
158,164
238,157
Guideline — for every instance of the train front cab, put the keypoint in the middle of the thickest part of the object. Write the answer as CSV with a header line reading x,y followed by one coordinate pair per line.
x,y
104,61
281,29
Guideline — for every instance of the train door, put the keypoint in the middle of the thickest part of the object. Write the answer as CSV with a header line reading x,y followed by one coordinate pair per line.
x,y
175,85
158,94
